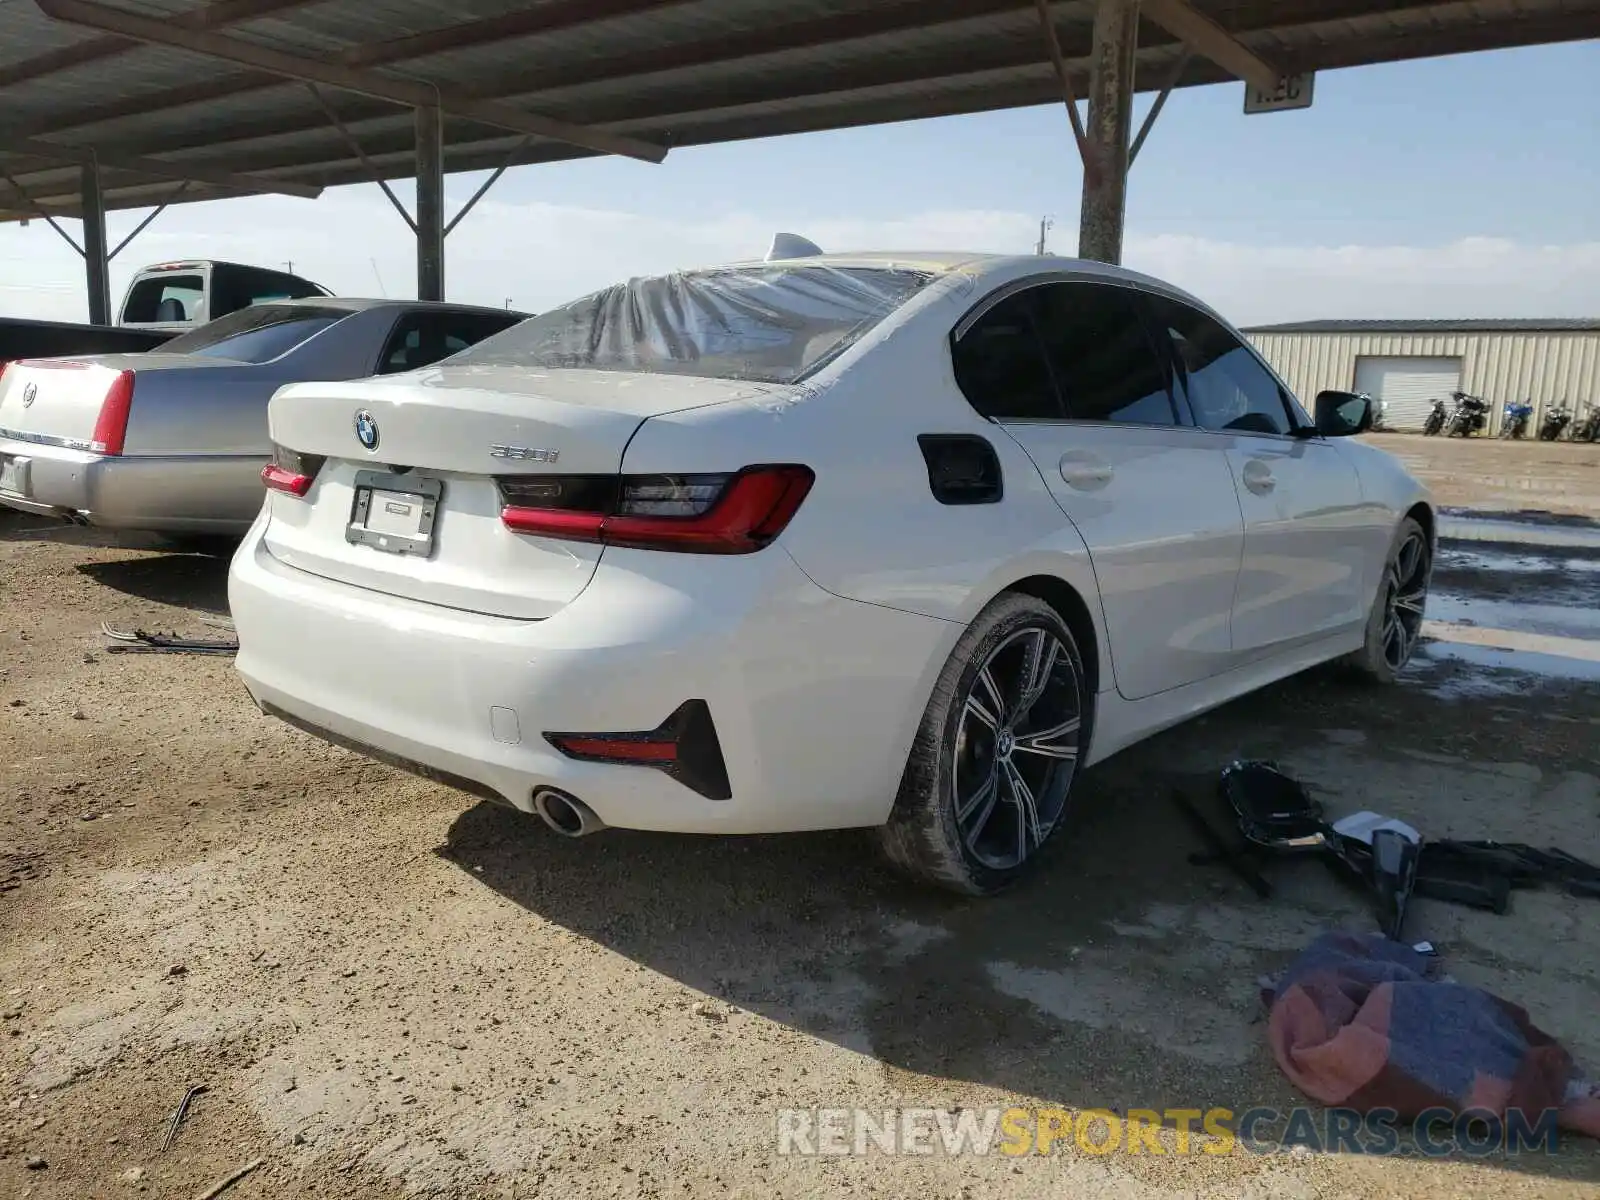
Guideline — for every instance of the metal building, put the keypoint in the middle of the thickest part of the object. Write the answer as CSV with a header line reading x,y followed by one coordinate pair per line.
x,y
1409,364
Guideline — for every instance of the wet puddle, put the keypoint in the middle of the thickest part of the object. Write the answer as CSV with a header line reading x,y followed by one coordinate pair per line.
x,y
1459,558
1556,620
1497,671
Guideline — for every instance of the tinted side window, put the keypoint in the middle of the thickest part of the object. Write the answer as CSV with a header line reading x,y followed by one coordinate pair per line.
x,y
1100,350
1000,365
423,338
1228,388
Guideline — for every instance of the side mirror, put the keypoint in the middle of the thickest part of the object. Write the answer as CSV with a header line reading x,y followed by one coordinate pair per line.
x,y
1342,414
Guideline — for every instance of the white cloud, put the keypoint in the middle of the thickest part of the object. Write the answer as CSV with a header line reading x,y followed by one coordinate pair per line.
x,y
540,254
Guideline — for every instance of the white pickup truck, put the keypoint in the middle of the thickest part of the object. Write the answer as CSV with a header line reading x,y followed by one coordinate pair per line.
x,y
162,301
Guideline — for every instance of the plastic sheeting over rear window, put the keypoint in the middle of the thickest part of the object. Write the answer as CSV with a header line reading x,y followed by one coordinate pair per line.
x,y
772,324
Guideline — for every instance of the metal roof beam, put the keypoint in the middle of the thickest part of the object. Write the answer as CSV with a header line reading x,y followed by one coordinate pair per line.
x,y
1194,28
512,26
85,155
412,93
212,16
809,33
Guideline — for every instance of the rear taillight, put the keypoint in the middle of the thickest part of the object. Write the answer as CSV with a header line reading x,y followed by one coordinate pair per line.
x,y
291,472
735,513
111,427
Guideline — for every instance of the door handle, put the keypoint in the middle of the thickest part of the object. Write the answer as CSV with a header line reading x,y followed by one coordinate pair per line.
x,y
1084,472
1258,477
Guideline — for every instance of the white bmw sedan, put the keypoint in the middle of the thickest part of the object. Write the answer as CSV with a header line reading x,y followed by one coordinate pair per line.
x,y
900,541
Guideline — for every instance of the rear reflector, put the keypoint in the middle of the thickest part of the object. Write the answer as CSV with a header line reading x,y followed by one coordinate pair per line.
x,y
699,514
684,746
111,428
622,748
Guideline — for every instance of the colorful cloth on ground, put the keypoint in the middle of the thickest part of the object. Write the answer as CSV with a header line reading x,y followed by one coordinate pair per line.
x,y
1357,1021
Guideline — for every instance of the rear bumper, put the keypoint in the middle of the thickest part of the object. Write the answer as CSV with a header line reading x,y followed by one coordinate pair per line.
x,y
815,699
167,494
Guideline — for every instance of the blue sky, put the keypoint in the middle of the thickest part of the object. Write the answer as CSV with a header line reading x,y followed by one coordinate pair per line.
x,y
1455,186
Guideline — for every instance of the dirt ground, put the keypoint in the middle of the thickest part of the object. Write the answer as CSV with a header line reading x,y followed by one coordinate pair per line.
x,y
1511,475
387,988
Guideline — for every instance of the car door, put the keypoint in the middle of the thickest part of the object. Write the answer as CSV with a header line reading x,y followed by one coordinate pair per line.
x,y
1303,571
1075,377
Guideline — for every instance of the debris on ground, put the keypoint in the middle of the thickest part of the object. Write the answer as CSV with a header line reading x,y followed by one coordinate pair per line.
x,y
222,1185
1361,1020
139,641
178,1115
1273,815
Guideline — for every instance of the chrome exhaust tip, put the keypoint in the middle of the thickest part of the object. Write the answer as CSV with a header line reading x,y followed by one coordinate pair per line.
x,y
564,814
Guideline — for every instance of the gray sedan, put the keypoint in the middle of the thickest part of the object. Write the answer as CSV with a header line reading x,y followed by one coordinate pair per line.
x,y
174,440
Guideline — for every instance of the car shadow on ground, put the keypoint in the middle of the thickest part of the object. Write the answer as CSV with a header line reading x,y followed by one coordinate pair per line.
x,y
1059,989
194,581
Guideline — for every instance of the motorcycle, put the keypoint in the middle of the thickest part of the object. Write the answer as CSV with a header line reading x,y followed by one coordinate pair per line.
x,y
1436,419
1515,422
1471,415
1380,413
1556,419
1588,429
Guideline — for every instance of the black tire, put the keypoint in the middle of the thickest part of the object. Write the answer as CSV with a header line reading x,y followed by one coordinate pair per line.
x,y
1394,625
1033,745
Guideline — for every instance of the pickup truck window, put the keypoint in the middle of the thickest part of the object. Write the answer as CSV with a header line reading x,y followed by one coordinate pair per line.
x,y
164,298
259,334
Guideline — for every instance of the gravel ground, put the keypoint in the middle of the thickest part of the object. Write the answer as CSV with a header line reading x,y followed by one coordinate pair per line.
x,y
387,988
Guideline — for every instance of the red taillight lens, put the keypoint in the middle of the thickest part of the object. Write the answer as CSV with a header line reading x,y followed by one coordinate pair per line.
x,y
279,480
698,514
111,428
291,473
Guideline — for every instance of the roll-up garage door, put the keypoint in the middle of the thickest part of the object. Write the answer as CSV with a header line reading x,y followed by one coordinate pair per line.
x,y
1407,385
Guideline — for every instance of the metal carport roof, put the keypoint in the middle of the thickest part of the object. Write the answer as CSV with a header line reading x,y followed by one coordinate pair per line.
x,y
662,72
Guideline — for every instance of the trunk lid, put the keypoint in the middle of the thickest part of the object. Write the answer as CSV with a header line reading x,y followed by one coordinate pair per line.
x,y
58,402
454,429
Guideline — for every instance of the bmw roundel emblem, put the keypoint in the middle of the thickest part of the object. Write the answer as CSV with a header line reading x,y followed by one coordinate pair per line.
x,y
29,394
367,430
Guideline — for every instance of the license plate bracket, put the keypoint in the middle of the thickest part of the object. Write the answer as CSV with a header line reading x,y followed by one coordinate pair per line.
x,y
394,513
14,474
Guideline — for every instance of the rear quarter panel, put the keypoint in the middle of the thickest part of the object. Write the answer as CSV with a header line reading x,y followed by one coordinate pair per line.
x,y
871,530
217,407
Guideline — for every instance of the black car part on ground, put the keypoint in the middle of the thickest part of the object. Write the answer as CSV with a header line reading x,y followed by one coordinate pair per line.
x,y
138,641
1274,815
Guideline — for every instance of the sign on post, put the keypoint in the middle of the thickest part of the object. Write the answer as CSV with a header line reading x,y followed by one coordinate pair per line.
x,y
1293,91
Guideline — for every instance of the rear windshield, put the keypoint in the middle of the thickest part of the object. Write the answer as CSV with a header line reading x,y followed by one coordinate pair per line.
x,y
772,324
256,335
164,298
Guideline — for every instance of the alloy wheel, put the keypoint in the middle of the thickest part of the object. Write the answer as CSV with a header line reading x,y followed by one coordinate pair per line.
x,y
1406,594
1016,748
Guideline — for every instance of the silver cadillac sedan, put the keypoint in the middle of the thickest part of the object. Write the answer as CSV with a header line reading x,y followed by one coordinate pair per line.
x,y
174,440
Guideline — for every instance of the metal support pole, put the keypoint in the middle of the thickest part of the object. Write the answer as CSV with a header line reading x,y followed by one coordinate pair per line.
x,y
97,263
1105,190
430,204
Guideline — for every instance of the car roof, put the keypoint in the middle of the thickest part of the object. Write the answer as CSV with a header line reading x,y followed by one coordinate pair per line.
x,y
943,262
362,304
